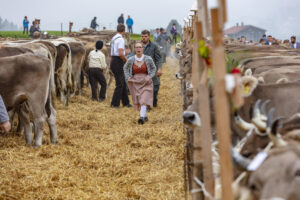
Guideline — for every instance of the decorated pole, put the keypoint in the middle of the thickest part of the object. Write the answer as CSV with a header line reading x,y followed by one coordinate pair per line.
x,y
221,100
197,148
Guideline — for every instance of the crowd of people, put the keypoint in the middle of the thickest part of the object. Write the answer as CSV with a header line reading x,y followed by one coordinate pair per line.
x,y
137,72
121,20
270,40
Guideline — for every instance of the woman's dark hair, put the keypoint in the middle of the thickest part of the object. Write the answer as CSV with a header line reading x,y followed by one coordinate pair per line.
x,y
99,45
120,28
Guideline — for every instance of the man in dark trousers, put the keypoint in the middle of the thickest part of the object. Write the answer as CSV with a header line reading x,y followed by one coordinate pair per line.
x,y
4,119
118,59
151,49
121,19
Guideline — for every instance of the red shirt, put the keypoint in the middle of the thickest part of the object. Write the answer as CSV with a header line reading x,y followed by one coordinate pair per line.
x,y
139,70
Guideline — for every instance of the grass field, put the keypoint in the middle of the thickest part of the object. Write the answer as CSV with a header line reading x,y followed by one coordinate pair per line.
x,y
19,34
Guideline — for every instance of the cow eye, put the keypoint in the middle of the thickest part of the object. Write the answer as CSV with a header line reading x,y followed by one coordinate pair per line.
x,y
297,173
253,187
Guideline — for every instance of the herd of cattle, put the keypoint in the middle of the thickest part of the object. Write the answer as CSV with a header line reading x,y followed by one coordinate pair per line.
x,y
266,129
34,72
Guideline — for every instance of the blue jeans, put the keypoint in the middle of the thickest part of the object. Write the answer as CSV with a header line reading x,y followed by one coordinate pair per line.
x,y
130,29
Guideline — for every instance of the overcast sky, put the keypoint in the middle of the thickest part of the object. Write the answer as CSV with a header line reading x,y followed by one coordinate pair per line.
x,y
279,17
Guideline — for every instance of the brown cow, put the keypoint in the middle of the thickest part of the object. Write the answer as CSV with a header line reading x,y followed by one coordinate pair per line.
x,y
15,71
279,175
78,56
63,70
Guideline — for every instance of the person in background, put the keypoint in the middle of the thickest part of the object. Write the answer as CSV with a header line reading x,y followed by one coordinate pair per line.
x,y
4,119
121,19
294,44
244,40
174,33
97,64
261,42
94,23
156,34
32,29
163,42
128,52
129,23
265,38
286,43
139,71
152,50
270,40
25,25
118,59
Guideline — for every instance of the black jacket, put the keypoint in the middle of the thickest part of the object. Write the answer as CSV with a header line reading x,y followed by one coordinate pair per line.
x,y
121,20
152,50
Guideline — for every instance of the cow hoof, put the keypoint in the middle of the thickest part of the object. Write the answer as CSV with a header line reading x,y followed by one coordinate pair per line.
x,y
54,142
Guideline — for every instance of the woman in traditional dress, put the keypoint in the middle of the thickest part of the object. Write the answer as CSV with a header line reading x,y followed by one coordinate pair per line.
x,y
139,71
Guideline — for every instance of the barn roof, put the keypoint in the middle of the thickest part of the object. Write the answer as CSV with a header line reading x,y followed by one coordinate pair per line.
x,y
237,29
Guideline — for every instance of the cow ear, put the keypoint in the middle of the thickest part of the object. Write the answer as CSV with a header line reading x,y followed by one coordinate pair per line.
x,y
249,84
248,72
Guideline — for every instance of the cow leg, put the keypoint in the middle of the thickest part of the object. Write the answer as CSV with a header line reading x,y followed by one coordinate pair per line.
x,y
38,130
21,125
52,125
25,122
79,87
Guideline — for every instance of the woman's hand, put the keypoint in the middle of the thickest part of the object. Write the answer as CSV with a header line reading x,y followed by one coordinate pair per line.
x,y
159,73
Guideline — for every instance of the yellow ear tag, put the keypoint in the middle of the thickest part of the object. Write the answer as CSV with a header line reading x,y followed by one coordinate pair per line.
x,y
246,89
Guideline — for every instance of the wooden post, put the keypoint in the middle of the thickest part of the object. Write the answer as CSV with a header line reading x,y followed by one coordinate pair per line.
x,y
204,111
221,105
222,12
202,7
197,148
70,26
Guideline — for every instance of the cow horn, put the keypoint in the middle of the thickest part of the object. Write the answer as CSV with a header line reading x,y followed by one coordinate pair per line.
x,y
263,107
257,118
270,117
240,160
242,123
275,125
256,106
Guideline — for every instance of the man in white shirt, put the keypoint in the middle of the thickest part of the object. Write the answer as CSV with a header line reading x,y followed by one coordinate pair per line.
x,y
97,64
118,59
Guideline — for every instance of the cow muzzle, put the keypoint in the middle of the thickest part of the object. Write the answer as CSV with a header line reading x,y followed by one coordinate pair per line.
x,y
191,119
179,76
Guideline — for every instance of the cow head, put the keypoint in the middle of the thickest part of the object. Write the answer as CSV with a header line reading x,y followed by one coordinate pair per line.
x,y
278,177
249,83
191,117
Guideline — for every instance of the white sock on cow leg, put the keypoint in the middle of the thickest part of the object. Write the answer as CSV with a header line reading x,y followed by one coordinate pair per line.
x,y
143,111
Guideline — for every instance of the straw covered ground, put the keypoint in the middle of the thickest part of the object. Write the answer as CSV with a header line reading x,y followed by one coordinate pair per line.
x,y
102,152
